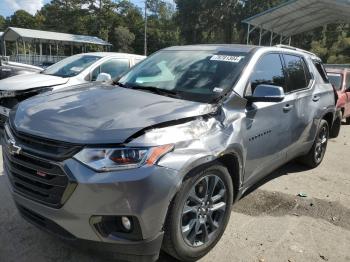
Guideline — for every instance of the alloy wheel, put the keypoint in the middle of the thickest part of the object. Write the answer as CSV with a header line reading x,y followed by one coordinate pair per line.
x,y
204,211
321,144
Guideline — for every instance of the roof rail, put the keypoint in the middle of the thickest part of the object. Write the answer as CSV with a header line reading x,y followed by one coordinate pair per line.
x,y
295,49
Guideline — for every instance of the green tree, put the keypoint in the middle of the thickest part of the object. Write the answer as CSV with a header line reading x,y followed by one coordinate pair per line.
x,y
22,19
123,39
2,23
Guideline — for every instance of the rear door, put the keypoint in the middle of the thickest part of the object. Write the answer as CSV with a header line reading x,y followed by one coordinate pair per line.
x,y
267,128
299,89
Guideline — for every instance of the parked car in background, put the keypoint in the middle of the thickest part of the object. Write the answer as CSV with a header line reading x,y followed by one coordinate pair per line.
x,y
340,79
158,159
70,71
8,69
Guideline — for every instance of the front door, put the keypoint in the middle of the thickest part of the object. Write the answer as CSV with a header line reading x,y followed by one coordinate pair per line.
x,y
267,124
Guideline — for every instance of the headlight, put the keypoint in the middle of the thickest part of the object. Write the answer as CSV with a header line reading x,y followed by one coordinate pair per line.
x,y
109,159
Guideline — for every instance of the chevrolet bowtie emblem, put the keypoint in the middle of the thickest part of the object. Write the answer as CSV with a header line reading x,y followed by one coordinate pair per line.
x,y
13,148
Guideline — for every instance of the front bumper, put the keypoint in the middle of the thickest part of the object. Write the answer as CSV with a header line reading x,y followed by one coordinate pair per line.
x,y
144,193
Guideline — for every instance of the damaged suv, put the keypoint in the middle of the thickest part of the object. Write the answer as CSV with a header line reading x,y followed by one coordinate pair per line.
x,y
156,160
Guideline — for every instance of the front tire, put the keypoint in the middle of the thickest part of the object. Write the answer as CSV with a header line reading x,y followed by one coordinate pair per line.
x,y
199,213
318,150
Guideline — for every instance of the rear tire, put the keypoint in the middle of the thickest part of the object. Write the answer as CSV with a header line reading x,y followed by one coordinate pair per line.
x,y
199,213
348,120
335,130
318,150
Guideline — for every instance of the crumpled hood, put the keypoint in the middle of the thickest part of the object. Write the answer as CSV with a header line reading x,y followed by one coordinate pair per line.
x,y
28,81
102,114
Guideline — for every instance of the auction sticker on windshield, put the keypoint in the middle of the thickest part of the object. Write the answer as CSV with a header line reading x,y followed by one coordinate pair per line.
x,y
227,58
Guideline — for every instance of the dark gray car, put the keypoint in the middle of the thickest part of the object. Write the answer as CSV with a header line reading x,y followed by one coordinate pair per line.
x,y
157,159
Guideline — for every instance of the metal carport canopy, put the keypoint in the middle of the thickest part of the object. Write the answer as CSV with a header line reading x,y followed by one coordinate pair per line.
x,y
298,16
15,33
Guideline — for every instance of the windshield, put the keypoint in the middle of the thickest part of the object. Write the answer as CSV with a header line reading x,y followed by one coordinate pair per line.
x,y
71,66
201,76
336,80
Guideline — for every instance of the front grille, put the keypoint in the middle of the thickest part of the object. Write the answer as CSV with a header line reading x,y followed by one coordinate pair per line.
x,y
36,178
42,147
44,223
2,120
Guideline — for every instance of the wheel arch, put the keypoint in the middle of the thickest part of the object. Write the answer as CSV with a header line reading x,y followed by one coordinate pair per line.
x,y
329,117
231,159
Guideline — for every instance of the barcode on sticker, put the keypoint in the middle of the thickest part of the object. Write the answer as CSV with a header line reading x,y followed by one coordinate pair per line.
x,y
227,58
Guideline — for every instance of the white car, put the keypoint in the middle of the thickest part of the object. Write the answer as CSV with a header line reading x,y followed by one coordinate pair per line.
x,y
70,71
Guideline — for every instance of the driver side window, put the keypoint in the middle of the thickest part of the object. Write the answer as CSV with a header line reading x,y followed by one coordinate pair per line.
x,y
113,67
269,71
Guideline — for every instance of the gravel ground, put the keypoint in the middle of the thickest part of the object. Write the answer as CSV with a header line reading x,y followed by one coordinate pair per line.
x,y
270,224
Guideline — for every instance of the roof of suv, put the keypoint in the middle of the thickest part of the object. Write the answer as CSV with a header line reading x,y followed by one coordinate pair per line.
x,y
238,48
213,47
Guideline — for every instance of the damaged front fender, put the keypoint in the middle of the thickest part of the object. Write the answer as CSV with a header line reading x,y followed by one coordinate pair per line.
x,y
198,141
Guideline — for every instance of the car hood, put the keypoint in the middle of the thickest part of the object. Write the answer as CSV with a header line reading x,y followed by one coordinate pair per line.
x,y
28,81
103,114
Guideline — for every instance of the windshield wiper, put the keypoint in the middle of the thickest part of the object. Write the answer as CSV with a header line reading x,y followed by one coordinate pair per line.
x,y
156,90
118,84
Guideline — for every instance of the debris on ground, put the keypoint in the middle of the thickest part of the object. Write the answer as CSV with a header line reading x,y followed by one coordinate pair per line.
x,y
323,257
334,218
296,249
302,194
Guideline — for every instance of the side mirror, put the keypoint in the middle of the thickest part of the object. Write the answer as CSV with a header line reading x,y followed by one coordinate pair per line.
x,y
267,93
103,77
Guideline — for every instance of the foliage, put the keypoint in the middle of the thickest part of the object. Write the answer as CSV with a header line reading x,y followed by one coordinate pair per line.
x,y
123,40
2,23
188,22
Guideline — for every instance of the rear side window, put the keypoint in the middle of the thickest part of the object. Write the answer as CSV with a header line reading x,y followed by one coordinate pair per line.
x,y
336,80
320,68
268,70
347,84
297,71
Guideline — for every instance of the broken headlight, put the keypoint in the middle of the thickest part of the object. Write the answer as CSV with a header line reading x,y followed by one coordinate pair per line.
x,y
109,159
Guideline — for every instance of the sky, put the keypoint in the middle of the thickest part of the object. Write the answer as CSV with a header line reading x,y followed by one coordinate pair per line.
x,y
8,7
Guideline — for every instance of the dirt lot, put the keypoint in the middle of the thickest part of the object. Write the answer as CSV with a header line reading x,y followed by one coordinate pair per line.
x,y
270,224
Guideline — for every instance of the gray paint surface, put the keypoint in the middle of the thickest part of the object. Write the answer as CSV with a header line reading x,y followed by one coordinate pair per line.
x,y
262,136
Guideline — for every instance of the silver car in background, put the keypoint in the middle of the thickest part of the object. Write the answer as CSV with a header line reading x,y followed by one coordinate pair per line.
x,y
157,159
74,70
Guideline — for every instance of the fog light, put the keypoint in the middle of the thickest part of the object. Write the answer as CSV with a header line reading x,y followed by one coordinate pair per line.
x,y
126,223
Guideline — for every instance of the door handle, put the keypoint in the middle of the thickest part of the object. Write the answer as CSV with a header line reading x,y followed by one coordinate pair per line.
x,y
316,98
287,108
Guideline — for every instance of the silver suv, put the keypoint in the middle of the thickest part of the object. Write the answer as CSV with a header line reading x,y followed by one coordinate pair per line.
x,y
155,160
